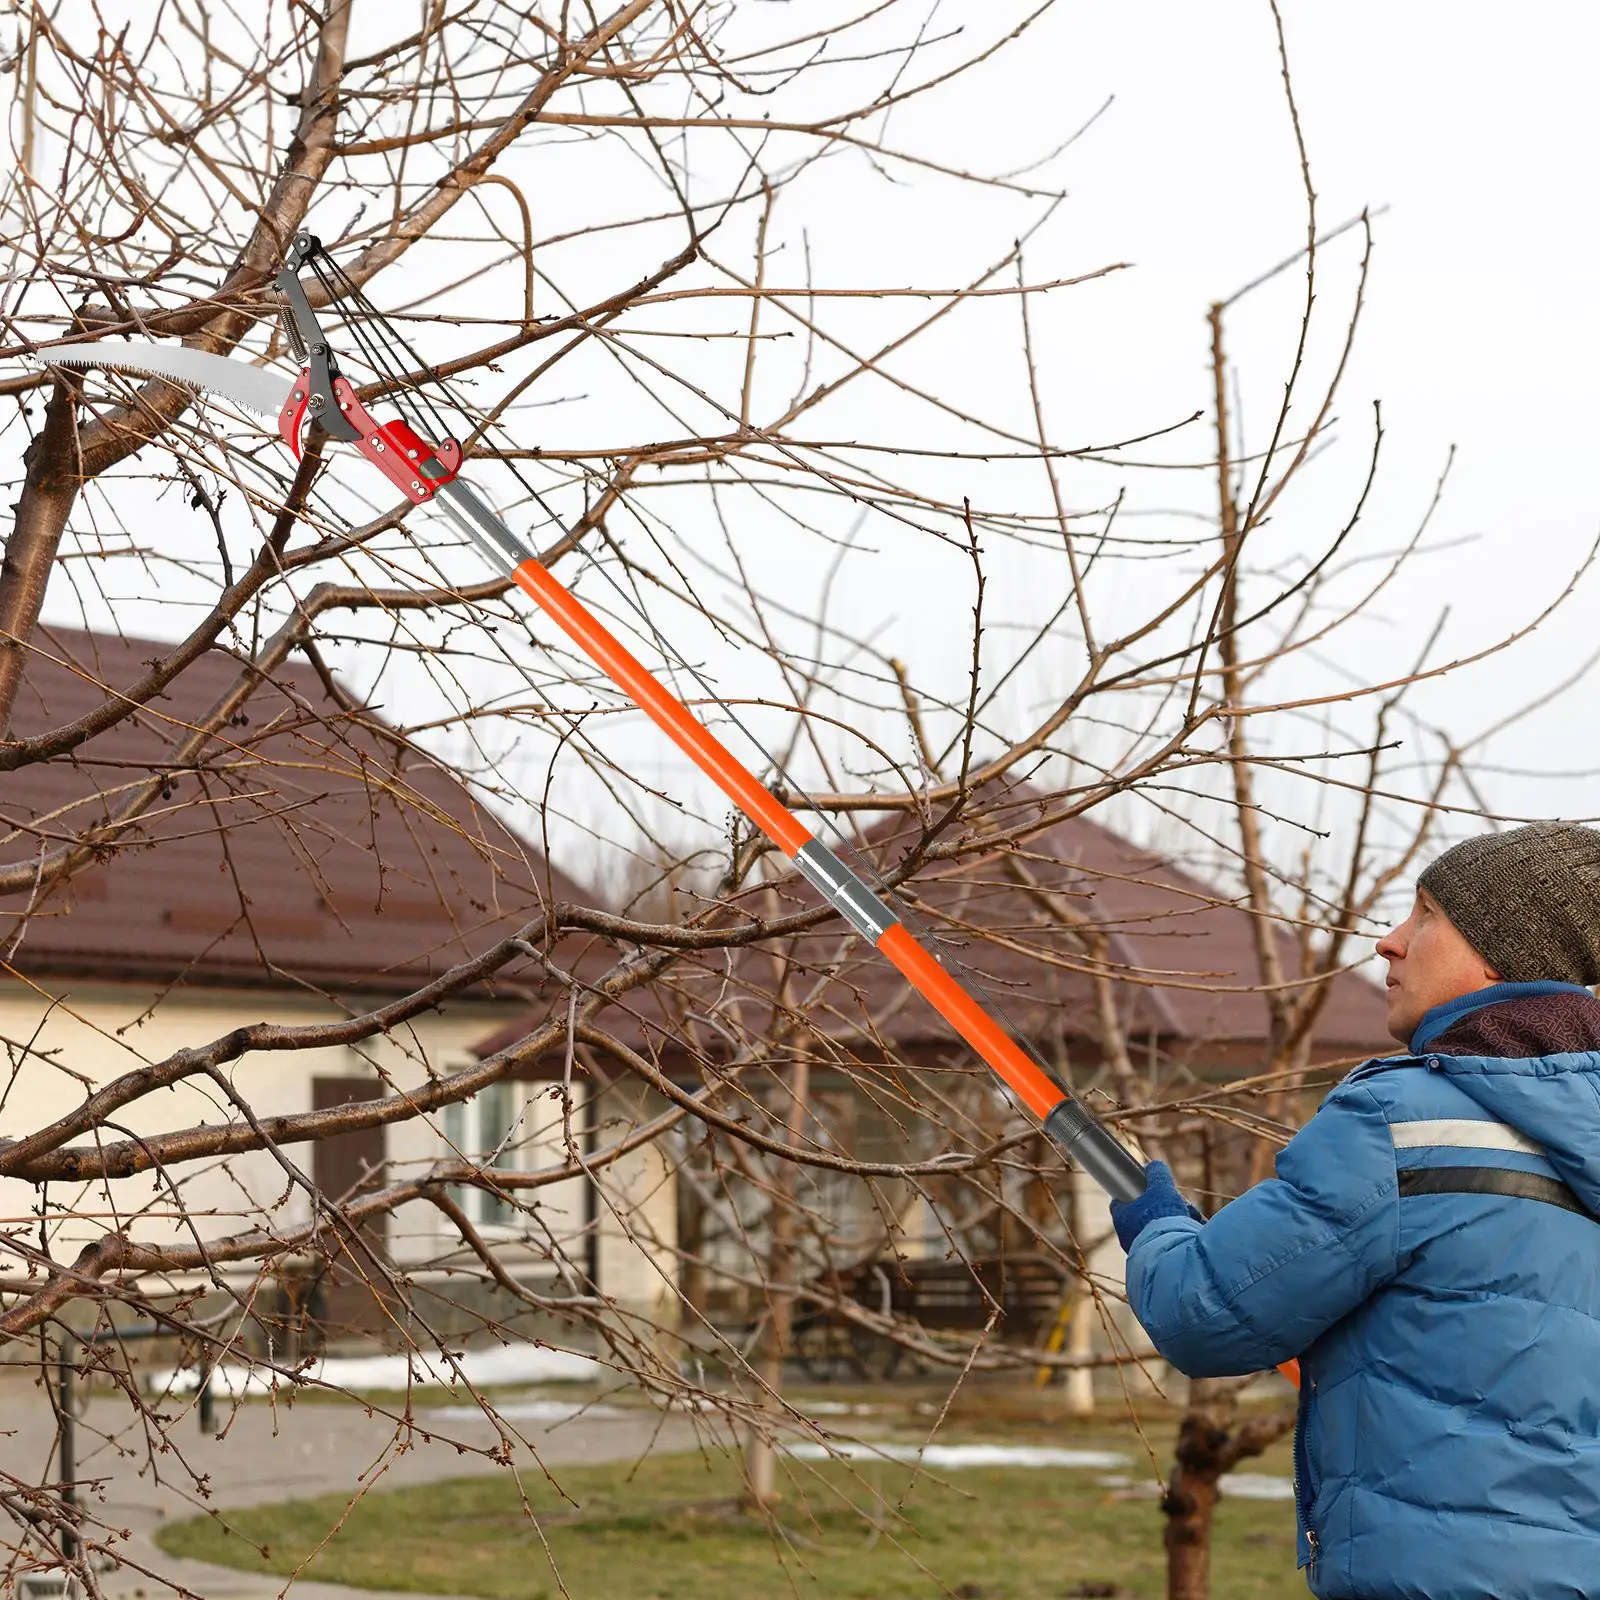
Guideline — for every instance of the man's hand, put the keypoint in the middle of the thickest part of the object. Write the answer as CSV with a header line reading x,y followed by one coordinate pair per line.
x,y
1160,1199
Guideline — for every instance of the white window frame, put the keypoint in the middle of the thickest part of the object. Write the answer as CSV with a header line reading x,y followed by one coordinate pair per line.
x,y
489,1128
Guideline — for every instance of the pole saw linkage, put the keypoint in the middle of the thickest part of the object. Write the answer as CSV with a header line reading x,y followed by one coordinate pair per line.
x,y
323,394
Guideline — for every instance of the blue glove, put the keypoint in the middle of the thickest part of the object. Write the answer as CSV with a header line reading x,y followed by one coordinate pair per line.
x,y
1160,1199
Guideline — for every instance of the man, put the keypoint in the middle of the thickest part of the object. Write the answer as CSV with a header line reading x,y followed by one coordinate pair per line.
x,y
1430,1250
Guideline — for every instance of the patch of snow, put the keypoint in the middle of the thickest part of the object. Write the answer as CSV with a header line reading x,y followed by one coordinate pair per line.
x,y
1241,1485
523,1363
1256,1486
835,1408
1142,1488
528,1411
953,1457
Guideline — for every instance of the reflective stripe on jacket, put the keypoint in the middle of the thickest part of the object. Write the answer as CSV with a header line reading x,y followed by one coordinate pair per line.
x,y
1430,1251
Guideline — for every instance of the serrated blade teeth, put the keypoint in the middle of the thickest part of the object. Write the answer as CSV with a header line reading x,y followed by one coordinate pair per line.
x,y
139,369
254,388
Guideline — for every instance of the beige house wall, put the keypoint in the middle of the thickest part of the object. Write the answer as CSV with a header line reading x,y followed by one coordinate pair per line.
x,y
56,1054
637,1213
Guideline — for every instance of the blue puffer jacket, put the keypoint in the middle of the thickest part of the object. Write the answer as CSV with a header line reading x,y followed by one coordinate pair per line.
x,y
1430,1251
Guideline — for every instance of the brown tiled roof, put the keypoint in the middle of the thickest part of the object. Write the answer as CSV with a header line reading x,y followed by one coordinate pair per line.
x,y
1184,952
306,850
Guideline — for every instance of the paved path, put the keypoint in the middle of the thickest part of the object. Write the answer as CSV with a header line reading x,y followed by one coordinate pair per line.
x,y
276,1452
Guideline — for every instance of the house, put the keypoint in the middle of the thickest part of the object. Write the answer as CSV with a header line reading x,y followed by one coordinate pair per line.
x,y
306,867
1028,922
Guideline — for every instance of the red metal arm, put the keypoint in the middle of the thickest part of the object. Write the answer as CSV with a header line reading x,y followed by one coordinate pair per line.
x,y
415,467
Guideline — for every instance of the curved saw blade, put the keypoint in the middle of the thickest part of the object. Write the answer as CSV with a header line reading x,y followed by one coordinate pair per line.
x,y
254,388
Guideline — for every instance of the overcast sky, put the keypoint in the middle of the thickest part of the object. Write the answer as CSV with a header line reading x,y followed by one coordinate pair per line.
x,y
1474,126
1470,129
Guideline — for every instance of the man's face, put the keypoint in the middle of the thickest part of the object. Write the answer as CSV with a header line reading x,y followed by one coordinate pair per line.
x,y
1429,962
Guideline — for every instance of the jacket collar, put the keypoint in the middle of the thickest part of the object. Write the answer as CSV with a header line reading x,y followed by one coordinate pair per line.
x,y
1450,1012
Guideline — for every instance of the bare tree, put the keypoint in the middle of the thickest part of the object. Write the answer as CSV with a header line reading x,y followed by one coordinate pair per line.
x,y
579,223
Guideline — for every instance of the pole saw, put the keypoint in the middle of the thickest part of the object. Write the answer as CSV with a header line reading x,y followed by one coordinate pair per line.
x,y
427,471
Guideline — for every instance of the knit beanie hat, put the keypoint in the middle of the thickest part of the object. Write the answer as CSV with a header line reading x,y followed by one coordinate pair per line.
x,y
1528,900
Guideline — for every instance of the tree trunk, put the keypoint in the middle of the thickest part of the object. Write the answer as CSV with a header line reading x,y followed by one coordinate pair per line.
x,y
1080,1342
1211,1441
1204,1438
693,1279
30,552
761,1450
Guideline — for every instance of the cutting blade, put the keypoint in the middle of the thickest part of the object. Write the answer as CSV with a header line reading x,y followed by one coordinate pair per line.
x,y
255,388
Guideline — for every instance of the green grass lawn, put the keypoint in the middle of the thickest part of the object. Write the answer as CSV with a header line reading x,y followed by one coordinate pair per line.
x,y
671,1530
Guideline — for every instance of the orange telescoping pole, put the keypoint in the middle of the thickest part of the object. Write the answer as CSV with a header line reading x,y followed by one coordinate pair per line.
x,y
1081,1136
1065,1118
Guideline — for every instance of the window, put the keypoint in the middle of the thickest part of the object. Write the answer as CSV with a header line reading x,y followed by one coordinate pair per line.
x,y
487,1129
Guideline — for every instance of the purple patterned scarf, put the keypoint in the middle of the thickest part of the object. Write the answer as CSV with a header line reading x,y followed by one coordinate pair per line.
x,y
1540,1025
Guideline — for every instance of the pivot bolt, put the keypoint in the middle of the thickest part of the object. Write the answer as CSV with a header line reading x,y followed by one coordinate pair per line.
x,y
315,403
